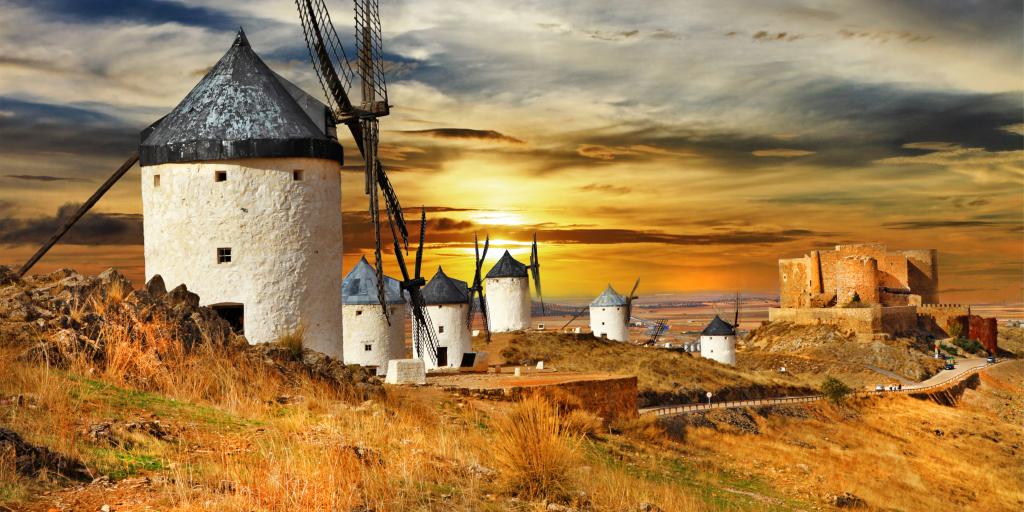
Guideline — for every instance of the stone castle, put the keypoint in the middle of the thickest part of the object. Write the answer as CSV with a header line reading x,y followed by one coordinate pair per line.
x,y
867,272
869,290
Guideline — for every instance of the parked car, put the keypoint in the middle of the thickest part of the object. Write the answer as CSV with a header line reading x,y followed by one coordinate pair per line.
x,y
950,364
879,387
991,359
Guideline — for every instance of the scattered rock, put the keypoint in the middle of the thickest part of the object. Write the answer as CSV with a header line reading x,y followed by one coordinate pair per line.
x,y
648,507
35,461
289,399
482,471
938,432
366,456
155,287
101,433
848,500
804,468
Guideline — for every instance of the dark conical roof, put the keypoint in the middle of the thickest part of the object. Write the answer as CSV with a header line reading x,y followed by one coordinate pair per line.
x,y
507,266
444,290
360,287
240,109
718,327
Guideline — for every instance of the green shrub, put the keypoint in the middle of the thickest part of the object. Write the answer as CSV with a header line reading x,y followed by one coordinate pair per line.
x,y
835,390
969,345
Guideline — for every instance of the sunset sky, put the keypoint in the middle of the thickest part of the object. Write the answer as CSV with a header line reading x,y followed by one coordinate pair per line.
x,y
690,143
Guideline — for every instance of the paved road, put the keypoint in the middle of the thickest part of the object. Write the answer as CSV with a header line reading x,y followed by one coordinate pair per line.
x,y
963,366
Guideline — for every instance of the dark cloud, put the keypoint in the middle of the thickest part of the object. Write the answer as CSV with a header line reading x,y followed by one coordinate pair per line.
x,y
465,134
92,229
145,11
628,236
47,129
934,224
603,187
765,36
41,177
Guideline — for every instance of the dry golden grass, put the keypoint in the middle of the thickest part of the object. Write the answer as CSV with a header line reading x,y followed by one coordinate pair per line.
x,y
536,452
888,453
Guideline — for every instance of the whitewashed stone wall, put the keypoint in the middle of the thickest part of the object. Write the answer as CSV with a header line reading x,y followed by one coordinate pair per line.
x,y
284,236
719,348
365,325
451,319
508,303
609,322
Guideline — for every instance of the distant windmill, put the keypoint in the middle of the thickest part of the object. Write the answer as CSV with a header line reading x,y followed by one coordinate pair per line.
x,y
610,313
718,339
508,292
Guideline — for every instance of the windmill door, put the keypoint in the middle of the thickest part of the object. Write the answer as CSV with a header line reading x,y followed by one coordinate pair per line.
x,y
442,356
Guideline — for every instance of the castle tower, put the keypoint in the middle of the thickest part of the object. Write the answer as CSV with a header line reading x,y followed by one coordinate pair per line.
x,y
718,342
857,276
368,339
608,316
241,200
447,302
508,296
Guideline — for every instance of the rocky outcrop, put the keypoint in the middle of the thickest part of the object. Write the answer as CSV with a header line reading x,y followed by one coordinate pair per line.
x,y
65,314
37,461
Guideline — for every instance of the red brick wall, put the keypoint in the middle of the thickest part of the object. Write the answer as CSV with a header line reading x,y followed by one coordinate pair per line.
x,y
985,330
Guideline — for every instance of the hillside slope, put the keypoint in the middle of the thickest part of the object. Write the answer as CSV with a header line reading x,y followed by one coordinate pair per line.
x,y
663,376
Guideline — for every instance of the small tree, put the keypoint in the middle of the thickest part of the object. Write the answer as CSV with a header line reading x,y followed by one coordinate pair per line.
x,y
835,390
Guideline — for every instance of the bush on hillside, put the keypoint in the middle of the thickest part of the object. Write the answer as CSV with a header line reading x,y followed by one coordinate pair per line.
x,y
969,345
835,390
536,450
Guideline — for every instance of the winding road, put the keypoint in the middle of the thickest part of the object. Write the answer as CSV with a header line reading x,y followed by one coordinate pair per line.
x,y
964,368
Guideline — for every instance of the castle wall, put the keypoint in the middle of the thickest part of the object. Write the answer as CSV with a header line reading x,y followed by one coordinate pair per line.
x,y
892,271
508,303
894,320
923,273
794,279
985,330
936,318
284,236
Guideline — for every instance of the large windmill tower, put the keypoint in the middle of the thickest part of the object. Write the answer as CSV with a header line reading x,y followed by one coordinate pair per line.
x,y
248,165
240,195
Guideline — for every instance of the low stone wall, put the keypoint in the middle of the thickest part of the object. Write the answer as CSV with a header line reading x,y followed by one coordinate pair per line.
x,y
876,319
936,318
611,398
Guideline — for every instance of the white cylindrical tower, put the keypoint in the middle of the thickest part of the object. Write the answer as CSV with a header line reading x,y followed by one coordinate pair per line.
x,y
369,340
608,316
718,342
508,296
447,303
241,196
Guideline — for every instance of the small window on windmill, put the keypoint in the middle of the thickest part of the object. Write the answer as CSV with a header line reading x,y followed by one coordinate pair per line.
x,y
156,180
440,329
297,175
368,347
220,176
359,312
223,255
